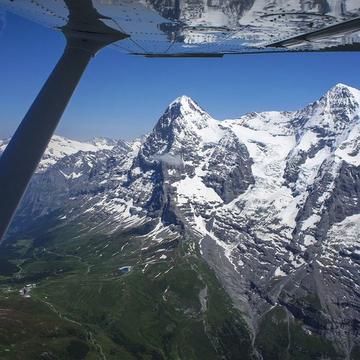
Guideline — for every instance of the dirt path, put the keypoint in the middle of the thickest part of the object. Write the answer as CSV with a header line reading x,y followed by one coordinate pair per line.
x,y
91,337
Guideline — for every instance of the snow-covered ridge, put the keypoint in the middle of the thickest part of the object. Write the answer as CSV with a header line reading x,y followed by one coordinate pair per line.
x,y
190,117
289,152
285,153
274,140
59,147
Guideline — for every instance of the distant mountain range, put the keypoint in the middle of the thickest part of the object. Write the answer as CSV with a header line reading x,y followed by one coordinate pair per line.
x,y
271,202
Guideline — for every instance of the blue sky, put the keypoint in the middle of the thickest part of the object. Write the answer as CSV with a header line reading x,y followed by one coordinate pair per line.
x,y
122,96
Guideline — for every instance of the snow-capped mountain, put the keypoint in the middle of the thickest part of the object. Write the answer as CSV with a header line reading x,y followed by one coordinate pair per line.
x,y
271,200
59,147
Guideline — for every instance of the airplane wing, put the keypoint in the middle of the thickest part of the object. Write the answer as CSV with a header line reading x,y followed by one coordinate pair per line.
x,y
174,28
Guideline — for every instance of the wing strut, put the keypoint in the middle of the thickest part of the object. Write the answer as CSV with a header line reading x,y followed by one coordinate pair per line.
x,y
24,151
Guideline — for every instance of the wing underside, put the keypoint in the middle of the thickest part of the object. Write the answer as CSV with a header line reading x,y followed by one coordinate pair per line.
x,y
193,28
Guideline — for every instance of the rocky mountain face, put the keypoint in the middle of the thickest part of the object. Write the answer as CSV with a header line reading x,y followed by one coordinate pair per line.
x,y
271,201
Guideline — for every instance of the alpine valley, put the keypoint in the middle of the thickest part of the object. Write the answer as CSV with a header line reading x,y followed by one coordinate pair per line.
x,y
235,239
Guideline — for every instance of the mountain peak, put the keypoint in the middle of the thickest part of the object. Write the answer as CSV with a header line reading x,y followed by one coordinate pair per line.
x,y
182,100
182,110
340,86
341,90
185,105
183,121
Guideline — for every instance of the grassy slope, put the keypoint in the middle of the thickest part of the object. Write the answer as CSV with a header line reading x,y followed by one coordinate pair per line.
x,y
83,308
281,337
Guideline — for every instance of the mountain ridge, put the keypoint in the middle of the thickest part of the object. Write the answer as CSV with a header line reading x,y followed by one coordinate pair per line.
x,y
271,202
